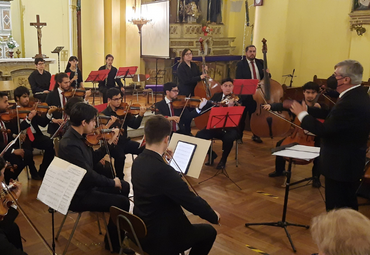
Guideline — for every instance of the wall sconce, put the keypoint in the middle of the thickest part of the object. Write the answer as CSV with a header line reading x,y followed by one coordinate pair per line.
x,y
139,22
360,30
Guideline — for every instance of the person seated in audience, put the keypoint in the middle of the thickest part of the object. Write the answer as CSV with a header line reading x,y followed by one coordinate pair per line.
x,y
40,80
227,135
10,236
160,194
341,232
35,138
179,124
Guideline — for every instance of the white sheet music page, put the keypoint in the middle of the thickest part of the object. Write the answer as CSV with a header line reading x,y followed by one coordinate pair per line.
x,y
299,152
60,184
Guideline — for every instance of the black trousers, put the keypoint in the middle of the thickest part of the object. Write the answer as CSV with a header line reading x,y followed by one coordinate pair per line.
x,y
340,194
118,153
21,163
10,240
228,136
250,107
42,142
100,200
41,97
199,237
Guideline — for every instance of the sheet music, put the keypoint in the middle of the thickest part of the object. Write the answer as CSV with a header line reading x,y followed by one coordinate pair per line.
x,y
60,184
182,155
299,152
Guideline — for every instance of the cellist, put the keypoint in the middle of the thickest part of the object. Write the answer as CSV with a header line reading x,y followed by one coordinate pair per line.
x,y
310,92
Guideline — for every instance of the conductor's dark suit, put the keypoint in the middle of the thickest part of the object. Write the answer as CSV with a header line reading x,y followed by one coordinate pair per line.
x,y
159,195
343,149
53,99
185,120
243,71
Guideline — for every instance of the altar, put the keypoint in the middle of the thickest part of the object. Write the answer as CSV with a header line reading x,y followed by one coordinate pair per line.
x,y
18,70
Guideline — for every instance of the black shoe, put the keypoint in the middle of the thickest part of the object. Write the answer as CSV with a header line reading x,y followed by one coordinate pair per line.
x,y
214,156
221,165
36,177
316,182
256,139
275,174
239,141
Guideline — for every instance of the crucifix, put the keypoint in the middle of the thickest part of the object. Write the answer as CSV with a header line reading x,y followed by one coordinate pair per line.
x,y
38,25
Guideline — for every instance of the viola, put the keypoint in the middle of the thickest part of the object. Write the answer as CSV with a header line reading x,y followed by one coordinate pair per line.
x,y
75,93
99,134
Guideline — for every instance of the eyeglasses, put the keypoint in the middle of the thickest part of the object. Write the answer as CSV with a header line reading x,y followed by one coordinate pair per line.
x,y
188,54
117,99
175,90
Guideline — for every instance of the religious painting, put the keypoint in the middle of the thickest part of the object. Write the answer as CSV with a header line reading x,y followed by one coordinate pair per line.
x,y
361,5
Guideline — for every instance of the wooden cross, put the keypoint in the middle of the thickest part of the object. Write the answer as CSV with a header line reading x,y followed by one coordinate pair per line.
x,y
38,25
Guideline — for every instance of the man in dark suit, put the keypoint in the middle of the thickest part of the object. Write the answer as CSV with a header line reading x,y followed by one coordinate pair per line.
x,y
95,192
10,236
179,124
35,138
227,135
110,81
344,135
249,68
124,145
159,195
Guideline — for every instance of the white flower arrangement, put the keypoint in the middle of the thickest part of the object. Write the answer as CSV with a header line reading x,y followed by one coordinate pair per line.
x,y
11,43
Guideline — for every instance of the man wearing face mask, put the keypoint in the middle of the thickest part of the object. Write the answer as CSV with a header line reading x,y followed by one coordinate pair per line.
x,y
344,134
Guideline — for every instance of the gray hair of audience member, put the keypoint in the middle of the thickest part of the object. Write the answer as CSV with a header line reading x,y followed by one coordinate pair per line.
x,y
342,231
352,69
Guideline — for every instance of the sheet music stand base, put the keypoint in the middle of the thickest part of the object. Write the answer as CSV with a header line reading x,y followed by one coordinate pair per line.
x,y
283,223
224,172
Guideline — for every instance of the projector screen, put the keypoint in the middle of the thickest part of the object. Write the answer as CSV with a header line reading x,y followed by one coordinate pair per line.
x,y
155,35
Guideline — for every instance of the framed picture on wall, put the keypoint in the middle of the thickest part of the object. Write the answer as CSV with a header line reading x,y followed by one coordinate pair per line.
x,y
360,5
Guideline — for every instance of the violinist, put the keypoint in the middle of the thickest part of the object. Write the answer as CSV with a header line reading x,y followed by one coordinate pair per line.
x,y
95,192
125,145
10,236
188,73
165,107
35,138
110,81
40,80
344,135
15,155
249,68
227,135
310,92
75,75
159,195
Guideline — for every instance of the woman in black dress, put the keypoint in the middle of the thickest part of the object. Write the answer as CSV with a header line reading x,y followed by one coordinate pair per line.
x,y
75,74
188,74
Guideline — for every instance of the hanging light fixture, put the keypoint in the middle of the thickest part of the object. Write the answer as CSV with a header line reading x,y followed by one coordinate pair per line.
x,y
138,21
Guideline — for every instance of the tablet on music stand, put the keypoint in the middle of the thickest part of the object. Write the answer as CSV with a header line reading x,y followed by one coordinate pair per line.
x,y
245,86
182,156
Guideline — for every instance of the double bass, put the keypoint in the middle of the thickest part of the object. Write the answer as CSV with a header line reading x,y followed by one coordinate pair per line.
x,y
266,123
205,88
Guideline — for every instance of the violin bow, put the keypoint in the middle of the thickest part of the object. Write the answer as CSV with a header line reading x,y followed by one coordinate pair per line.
x,y
124,119
186,102
10,144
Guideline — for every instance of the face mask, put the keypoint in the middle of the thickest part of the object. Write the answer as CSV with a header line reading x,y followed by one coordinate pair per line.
x,y
332,82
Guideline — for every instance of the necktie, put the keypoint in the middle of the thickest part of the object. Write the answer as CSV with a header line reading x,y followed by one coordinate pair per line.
x,y
64,102
5,135
174,129
30,134
254,70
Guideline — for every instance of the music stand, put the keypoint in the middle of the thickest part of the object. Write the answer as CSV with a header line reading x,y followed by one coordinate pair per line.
x,y
95,77
224,117
125,72
303,154
245,86
57,50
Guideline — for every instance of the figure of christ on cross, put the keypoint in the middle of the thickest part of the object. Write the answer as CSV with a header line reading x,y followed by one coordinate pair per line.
x,y
38,25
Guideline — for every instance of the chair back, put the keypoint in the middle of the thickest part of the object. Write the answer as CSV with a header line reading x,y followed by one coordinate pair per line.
x,y
140,78
101,107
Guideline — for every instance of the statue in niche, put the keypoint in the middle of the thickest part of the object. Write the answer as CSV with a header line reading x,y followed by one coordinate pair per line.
x,y
200,11
361,5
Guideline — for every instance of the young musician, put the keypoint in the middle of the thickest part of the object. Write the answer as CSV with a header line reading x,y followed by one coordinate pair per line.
x,y
310,92
75,75
95,192
110,81
10,236
40,80
227,135
179,124
15,155
159,195
188,73
124,145
35,138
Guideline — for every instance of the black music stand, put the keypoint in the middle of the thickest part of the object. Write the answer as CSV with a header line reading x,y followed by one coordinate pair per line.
x,y
283,223
95,77
57,50
224,117
125,72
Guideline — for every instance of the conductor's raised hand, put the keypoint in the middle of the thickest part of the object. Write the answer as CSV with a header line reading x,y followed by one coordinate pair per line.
x,y
297,108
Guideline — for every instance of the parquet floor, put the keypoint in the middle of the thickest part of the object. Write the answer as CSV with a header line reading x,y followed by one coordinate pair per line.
x,y
259,200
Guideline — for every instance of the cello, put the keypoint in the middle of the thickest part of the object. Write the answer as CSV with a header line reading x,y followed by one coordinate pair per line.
x,y
205,88
266,123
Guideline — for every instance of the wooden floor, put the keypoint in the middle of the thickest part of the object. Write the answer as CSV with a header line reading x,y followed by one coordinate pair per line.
x,y
259,200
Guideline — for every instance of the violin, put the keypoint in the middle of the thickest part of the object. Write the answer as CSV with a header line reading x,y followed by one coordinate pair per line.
x,y
99,134
6,199
74,93
122,110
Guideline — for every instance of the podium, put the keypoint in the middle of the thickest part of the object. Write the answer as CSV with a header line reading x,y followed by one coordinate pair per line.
x,y
291,152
